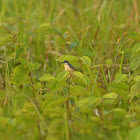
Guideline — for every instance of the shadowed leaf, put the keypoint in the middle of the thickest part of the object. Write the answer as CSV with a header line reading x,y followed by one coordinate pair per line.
x,y
19,75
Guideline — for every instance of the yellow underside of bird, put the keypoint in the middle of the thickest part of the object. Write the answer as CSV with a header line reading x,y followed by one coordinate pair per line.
x,y
67,68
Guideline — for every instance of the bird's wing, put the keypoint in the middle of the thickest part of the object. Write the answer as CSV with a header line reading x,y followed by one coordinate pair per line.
x,y
71,66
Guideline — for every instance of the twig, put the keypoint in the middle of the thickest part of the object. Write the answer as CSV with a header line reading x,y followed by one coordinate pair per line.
x,y
68,110
66,44
119,43
59,34
33,90
14,37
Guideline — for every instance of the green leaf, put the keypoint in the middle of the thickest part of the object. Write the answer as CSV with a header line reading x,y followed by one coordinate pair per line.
x,y
87,79
28,91
34,66
78,74
81,78
77,90
62,77
22,61
79,81
109,62
19,75
68,58
120,77
6,39
134,134
134,35
118,110
49,99
61,100
111,95
19,50
52,85
46,77
136,48
83,102
38,85
135,63
95,101
28,108
46,28
135,88
121,92
86,60
52,100
137,78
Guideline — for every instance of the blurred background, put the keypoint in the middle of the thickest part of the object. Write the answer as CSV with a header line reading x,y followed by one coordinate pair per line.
x,y
89,27
42,31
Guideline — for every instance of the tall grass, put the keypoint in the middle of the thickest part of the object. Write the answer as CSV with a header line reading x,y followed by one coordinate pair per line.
x,y
80,28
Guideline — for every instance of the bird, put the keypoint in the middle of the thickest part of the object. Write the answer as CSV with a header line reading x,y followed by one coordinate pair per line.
x,y
68,67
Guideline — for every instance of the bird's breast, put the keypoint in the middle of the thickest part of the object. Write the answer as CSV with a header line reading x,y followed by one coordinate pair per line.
x,y
67,68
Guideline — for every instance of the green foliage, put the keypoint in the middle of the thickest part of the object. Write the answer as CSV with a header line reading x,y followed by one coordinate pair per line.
x,y
40,100
134,35
86,60
81,78
136,50
19,51
134,134
109,62
19,75
46,28
111,95
6,39
77,90
62,77
78,74
33,66
135,62
68,58
135,66
46,77
120,78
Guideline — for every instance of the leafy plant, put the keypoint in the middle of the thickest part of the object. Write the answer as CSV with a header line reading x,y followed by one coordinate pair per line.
x,y
40,100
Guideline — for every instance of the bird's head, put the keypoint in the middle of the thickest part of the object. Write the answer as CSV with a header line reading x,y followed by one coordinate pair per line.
x,y
65,62
68,67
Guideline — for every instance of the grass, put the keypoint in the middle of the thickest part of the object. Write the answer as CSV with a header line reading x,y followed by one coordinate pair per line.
x,y
38,99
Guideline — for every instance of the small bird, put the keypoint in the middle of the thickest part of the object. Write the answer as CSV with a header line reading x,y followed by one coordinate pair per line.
x,y
68,66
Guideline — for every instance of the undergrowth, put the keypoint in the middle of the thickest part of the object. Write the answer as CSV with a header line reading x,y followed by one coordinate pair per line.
x,y
40,100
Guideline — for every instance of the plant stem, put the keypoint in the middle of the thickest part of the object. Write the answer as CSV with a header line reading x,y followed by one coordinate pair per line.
x,y
119,43
33,90
68,112
67,125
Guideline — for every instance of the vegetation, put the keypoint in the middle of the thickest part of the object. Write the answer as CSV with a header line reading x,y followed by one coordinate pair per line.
x,y
41,101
